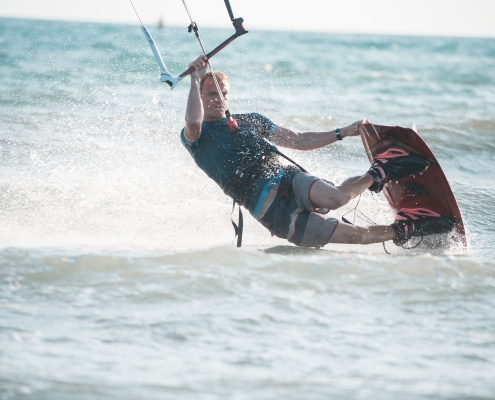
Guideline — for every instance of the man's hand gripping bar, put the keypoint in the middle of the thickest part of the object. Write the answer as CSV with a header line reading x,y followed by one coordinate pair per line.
x,y
172,80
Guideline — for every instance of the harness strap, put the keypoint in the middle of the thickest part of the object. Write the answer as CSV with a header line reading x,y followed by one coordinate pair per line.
x,y
237,228
284,190
277,151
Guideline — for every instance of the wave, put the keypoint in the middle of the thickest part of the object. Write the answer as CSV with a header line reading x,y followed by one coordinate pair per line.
x,y
469,136
155,276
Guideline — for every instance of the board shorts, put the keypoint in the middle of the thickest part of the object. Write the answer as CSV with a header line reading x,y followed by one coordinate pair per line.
x,y
294,217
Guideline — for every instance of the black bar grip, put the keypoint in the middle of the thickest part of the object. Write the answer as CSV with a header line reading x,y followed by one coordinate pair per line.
x,y
187,72
216,50
221,46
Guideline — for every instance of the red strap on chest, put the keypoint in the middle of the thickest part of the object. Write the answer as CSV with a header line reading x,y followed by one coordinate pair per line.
x,y
233,126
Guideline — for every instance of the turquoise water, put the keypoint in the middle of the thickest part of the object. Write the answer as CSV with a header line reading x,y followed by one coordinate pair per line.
x,y
118,278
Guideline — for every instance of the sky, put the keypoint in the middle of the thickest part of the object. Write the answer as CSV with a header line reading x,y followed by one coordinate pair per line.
x,y
412,17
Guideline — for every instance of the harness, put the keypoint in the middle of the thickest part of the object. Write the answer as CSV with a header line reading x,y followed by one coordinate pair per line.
x,y
256,159
242,182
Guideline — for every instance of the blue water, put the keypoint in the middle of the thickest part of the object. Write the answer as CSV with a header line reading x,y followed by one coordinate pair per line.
x,y
117,274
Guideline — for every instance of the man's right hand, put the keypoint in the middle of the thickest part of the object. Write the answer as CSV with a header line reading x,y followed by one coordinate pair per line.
x,y
200,67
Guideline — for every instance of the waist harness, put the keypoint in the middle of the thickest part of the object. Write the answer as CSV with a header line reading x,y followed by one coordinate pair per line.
x,y
241,184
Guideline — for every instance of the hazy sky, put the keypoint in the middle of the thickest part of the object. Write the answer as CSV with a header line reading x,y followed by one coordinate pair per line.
x,y
418,17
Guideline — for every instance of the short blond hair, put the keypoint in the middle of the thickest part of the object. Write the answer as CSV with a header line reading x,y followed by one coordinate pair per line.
x,y
221,77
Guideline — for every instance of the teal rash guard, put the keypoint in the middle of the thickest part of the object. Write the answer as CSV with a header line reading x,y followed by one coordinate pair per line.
x,y
220,153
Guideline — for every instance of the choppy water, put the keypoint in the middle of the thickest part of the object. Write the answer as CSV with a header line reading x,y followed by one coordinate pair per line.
x,y
117,279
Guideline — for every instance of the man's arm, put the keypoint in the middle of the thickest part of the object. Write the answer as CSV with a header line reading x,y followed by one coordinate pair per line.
x,y
312,140
194,110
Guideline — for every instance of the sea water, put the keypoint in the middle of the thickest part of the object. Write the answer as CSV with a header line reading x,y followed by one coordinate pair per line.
x,y
118,277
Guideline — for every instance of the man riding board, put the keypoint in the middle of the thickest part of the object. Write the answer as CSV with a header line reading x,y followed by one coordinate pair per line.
x,y
287,201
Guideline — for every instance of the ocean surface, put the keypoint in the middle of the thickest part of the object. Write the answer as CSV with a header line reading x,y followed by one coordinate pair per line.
x,y
118,277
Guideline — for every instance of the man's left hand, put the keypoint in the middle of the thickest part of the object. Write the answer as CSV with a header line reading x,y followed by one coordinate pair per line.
x,y
353,129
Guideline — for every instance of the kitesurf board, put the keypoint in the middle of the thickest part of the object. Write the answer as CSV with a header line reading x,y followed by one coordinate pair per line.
x,y
429,189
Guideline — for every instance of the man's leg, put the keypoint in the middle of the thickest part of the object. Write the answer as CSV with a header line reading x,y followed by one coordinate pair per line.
x,y
410,223
325,195
352,234
311,229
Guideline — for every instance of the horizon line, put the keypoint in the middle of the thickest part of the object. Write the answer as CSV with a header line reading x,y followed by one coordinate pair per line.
x,y
261,28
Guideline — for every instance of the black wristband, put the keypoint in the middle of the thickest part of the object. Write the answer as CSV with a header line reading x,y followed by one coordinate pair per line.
x,y
338,135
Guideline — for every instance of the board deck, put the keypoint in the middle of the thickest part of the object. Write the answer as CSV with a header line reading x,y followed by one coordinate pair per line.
x,y
427,190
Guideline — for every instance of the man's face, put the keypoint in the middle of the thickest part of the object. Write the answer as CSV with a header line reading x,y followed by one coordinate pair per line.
x,y
212,103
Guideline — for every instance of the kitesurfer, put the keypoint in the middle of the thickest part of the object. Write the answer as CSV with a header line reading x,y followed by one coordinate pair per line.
x,y
289,202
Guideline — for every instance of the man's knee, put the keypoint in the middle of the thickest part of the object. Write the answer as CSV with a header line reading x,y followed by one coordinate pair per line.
x,y
337,199
323,194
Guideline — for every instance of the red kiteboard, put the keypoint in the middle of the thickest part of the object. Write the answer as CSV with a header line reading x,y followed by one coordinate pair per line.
x,y
429,189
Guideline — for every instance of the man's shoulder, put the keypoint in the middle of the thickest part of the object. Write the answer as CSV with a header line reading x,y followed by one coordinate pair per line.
x,y
250,116
261,124
253,118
